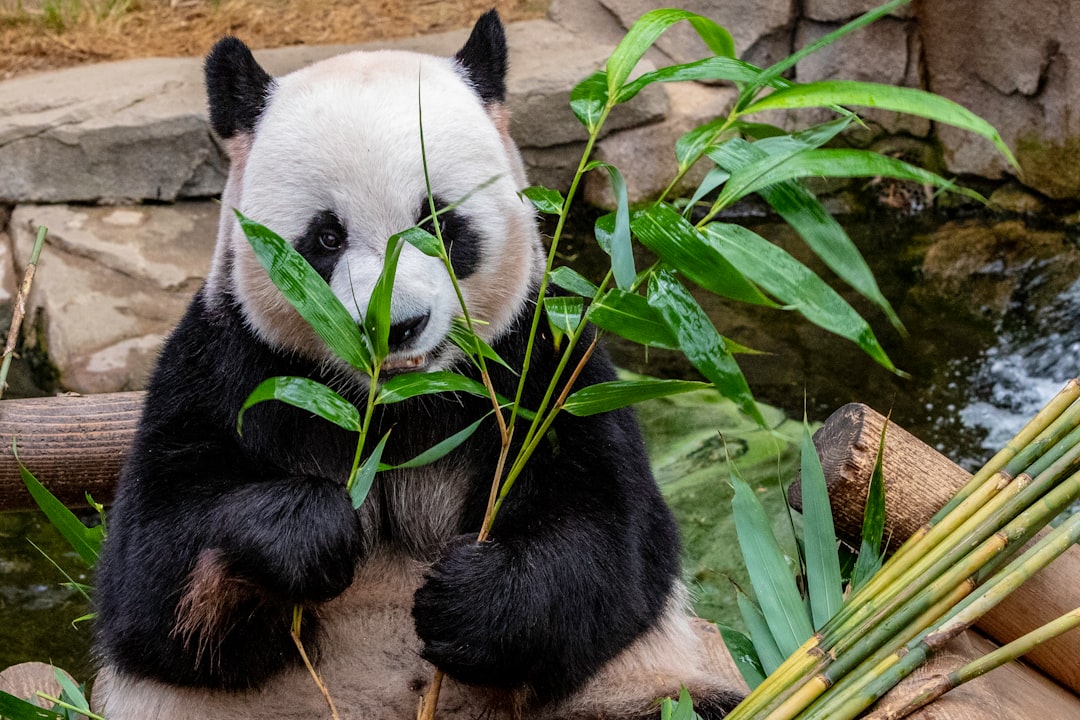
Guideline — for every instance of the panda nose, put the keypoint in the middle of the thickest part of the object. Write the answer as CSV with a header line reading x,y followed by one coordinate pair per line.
x,y
402,334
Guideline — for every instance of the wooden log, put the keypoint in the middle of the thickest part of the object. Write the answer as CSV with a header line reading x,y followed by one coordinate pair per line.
x,y
918,481
74,444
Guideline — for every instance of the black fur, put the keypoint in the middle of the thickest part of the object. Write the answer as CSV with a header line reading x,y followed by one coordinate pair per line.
x,y
458,237
236,86
581,558
484,58
322,243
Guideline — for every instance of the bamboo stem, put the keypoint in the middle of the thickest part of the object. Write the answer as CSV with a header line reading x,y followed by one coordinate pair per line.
x,y
19,312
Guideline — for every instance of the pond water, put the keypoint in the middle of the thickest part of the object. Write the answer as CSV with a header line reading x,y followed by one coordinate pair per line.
x,y
990,305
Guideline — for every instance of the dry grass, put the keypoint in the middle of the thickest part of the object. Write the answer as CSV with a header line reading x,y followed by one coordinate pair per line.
x,y
44,34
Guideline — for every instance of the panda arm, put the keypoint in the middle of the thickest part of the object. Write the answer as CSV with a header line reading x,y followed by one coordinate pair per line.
x,y
582,559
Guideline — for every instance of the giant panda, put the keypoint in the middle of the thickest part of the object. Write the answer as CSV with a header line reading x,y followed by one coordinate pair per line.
x,y
571,609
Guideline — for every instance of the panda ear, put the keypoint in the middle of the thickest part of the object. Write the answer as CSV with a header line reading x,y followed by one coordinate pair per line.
x,y
237,88
484,58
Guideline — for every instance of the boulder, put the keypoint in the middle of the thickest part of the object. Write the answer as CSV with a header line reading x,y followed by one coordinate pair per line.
x,y
110,285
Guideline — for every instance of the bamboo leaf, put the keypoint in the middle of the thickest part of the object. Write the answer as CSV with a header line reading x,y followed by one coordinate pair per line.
x,y
377,317
771,154
438,451
13,708
564,315
71,693
545,200
887,97
360,485
679,244
309,294
774,586
423,241
630,315
873,528
824,584
643,33
700,342
713,179
85,541
681,709
795,285
743,654
760,634
615,394
410,385
842,162
712,68
808,217
473,344
306,394
616,242
588,100
569,279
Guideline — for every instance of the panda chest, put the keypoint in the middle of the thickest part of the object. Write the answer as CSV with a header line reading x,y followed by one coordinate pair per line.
x,y
418,510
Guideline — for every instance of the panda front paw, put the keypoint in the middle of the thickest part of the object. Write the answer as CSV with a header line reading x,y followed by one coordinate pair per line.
x,y
468,619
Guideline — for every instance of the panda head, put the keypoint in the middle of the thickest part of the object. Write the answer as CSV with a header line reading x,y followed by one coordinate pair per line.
x,y
329,157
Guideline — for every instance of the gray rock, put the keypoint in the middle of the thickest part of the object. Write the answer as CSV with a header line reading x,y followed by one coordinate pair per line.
x,y
1016,65
111,283
133,129
138,129
839,10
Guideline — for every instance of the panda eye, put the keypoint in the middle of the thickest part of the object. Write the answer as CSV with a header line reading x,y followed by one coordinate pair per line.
x,y
330,239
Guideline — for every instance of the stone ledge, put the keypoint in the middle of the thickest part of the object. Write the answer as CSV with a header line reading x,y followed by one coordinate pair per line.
x,y
138,130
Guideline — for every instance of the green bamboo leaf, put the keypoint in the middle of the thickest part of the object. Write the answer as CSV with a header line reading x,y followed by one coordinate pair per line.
x,y
873,528
679,244
438,451
772,153
570,280
461,335
616,235
700,342
795,285
835,163
681,709
713,179
13,708
71,693
824,584
776,70
377,317
360,485
886,97
309,294
423,241
544,199
410,385
692,145
630,315
564,315
650,26
773,583
712,68
760,634
615,394
588,100
86,542
809,218
745,657
306,394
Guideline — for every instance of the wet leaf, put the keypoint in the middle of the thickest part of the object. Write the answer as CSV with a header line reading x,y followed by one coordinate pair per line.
x,y
306,394
743,654
572,281
630,315
410,385
606,396
616,234
360,485
544,199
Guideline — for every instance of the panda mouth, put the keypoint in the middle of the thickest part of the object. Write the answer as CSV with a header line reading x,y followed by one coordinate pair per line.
x,y
405,363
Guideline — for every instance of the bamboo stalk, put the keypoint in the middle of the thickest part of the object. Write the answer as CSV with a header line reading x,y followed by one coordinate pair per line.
x,y
19,312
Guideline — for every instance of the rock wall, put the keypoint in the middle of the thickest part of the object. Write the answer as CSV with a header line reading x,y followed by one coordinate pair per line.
x,y
114,279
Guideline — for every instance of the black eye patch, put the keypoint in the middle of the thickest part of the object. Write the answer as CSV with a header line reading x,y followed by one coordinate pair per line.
x,y
322,242
459,239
